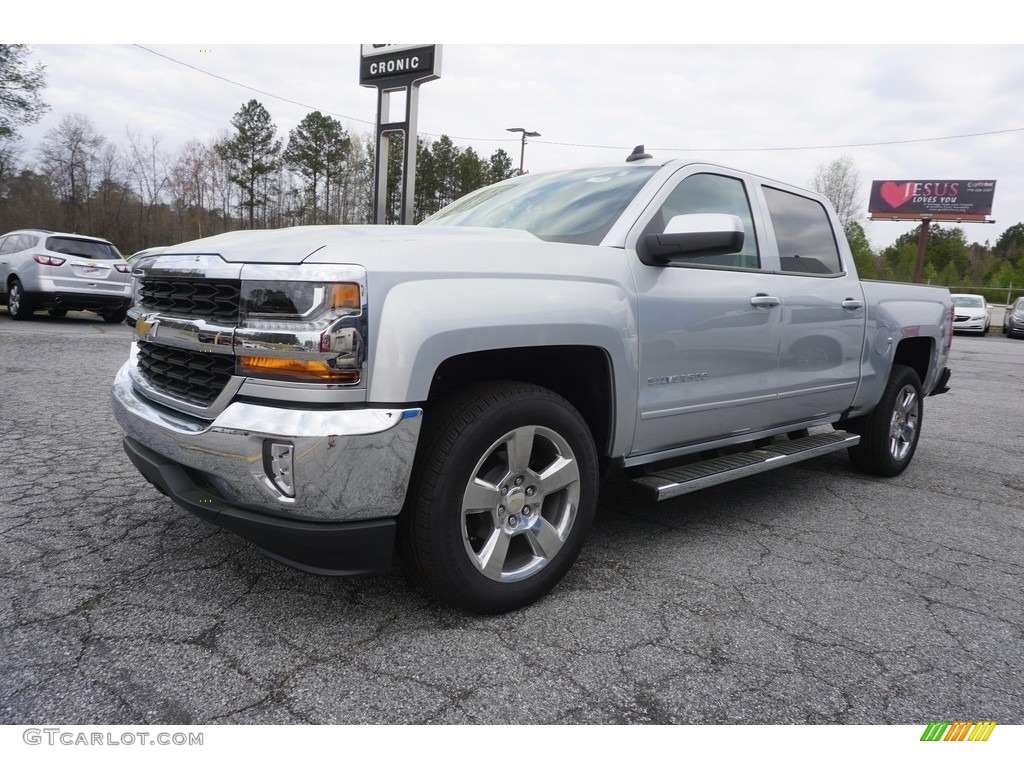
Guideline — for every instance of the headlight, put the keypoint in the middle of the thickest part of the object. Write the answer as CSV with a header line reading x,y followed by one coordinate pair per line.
x,y
301,330
297,301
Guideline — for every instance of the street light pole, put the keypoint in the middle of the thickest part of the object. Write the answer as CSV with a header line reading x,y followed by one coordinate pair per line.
x,y
522,149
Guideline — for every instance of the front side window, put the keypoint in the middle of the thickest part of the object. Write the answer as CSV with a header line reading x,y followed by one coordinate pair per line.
x,y
711,193
578,206
803,231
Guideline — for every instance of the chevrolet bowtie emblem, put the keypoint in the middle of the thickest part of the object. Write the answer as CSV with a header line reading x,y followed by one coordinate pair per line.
x,y
145,328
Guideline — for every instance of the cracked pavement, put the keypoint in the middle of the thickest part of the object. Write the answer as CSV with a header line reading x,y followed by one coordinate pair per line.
x,y
810,594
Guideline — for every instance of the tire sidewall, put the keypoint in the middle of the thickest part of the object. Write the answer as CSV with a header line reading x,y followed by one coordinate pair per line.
x,y
24,311
463,581
875,439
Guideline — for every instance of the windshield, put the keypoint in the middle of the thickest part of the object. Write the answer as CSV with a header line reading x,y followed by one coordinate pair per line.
x,y
87,249
577,206
1020,306
969,302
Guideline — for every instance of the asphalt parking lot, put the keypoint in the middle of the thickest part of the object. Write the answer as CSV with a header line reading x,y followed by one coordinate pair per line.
x,y
811,594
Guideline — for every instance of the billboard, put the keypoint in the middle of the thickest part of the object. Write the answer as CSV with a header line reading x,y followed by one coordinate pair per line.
x,y
959,200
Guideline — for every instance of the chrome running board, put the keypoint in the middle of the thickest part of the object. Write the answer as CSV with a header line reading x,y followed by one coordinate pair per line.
x,y
675,481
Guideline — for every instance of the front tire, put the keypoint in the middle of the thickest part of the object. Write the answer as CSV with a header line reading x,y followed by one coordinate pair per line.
x,y
889,434
502,497
18,306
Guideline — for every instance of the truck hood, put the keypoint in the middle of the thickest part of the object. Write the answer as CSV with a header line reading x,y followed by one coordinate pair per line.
x,y
297,244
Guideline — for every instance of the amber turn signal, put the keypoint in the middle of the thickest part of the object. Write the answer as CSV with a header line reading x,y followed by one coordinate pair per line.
x,y
308,370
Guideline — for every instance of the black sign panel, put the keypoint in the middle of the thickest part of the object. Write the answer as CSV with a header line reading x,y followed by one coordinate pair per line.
x,y
396,65
915,199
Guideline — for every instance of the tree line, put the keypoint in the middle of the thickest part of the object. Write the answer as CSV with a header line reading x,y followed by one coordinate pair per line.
x,y
137,194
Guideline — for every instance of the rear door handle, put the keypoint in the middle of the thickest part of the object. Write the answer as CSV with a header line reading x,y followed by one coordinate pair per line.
x,y
852,304
761,300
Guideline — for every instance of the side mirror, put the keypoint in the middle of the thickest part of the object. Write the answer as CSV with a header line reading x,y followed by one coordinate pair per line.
x,y
693,234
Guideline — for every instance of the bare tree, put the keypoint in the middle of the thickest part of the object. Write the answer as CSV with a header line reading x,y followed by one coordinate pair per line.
x,y
70,156
192,183
840,183
148,168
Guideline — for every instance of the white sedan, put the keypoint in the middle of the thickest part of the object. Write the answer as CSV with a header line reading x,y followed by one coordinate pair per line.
x,y
970,313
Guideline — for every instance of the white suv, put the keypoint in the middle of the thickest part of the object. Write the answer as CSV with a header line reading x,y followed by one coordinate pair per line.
x,y
58,271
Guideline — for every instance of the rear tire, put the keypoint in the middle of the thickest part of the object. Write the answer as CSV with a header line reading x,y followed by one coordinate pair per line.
x,y
114,315
889,434
502,496
58,312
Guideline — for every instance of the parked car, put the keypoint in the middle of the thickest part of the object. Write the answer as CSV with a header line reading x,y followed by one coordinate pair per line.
x,y
971,314
60,271
135,260
1013,320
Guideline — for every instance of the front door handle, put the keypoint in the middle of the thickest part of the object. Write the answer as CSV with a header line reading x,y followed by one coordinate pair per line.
x,y
761,300
852,304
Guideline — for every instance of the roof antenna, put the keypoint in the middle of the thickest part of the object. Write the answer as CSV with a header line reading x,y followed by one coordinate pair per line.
x,y
638,154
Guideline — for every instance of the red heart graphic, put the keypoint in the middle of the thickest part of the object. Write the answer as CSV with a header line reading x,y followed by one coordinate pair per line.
x,y
897,194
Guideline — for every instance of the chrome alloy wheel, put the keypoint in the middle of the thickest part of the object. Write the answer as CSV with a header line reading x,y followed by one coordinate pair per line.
x,y
904,423
14,299
520,503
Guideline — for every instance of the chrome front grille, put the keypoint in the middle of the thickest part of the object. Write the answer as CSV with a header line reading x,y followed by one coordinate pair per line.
x,y
215,299
195,377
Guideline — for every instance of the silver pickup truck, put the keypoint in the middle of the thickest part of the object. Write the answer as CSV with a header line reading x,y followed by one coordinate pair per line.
x,y
460,387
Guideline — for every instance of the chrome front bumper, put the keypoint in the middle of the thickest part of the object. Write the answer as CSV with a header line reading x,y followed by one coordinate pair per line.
x,y
346,465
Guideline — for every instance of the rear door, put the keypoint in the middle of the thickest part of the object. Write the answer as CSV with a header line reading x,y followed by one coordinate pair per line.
x,y
823,309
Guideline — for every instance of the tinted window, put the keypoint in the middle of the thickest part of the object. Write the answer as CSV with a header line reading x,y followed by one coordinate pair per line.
x,y
804,233
711,193
87,249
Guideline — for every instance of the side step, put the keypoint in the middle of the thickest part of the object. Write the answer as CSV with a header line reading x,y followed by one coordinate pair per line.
x,y
676,481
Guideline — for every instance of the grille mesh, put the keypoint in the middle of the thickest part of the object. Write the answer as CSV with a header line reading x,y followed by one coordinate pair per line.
x,y
196,377
218,299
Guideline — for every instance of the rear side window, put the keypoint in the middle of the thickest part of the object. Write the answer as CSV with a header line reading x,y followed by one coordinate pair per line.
x,y
87,249
803,232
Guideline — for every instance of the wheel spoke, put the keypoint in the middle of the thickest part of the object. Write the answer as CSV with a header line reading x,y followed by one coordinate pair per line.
x,y
561,473
544,539
480,495
520,447
908,402
491,558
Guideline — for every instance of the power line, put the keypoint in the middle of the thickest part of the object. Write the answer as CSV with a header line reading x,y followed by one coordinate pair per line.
x,y
596,146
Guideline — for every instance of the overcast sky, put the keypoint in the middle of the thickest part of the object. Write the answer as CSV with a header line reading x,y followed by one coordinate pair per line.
x,y
898,111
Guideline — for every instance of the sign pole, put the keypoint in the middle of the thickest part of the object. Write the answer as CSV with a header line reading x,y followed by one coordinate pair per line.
x,y
922,247
393,68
